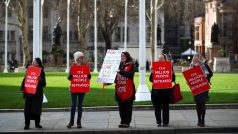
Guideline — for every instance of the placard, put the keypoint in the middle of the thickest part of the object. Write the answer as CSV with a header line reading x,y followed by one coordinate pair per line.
x,y
162,74
110,66
32,79
196,80
80,82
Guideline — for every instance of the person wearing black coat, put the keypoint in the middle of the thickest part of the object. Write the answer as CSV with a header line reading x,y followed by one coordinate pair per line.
x,y
161,99
33,102
125,89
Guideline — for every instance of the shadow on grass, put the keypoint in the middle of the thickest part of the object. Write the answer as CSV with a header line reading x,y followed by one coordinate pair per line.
x,y
11,97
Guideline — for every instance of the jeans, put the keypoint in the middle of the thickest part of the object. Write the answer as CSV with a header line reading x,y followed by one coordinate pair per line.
x,y
74,103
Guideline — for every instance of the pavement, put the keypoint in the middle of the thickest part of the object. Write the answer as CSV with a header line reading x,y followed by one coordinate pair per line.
x,y
106,122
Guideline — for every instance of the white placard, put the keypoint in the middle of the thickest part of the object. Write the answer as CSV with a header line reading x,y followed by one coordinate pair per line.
x,y
110,66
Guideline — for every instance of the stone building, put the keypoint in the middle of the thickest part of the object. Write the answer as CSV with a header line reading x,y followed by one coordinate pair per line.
x,y
223,13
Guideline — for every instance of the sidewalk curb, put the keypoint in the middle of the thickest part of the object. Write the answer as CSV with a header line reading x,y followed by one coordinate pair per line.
x,y
135,108
169,130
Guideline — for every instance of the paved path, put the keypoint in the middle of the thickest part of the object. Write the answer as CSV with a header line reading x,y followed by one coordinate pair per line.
x,y
181,121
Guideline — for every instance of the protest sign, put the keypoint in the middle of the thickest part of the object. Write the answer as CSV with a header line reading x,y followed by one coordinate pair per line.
x,y
162,74
196,80
110,66
80,82
32,79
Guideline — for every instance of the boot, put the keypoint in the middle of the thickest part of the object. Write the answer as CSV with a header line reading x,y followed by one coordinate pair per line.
x,y
71,123
79,124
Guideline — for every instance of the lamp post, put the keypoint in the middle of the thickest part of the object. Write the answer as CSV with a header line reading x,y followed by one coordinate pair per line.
x,y
67,53
142,93
155,29
6,34
95,38
125,31
36,28
41,30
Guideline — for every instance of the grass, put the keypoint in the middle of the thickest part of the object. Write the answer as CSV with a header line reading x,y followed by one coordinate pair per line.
x,y
224,90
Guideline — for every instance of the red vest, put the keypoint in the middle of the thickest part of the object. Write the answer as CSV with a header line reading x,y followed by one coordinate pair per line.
x,y
124,85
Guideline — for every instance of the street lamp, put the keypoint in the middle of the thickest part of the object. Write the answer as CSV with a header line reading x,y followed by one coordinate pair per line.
x,y
125,31
142,93
6,33
67,53
95,38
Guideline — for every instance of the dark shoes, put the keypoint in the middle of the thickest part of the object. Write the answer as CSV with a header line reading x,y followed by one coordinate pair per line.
x,y
201,123
71,123
79,124
38,126
124,126
165,125
26,127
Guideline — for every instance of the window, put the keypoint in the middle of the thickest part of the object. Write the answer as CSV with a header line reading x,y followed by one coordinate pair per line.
x,y
3,14
196,32
30,35
127,34
120,33
100,36
11,35
45,33
45,12
30,12
117,34
76,35
147,34
2,36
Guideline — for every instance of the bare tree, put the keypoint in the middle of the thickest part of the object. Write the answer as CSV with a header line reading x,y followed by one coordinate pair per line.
x,y
20,8
110,12
81,16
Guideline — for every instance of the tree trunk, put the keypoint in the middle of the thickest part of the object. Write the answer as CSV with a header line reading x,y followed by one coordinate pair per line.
x,y
82,42
108,40
24,30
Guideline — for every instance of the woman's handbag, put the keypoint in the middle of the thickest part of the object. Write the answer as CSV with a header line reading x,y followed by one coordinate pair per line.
x,y
176,93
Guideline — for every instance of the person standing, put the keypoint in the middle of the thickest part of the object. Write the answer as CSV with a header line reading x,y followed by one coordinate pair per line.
x,y
202,98
161,98
78,58
33,102
125,89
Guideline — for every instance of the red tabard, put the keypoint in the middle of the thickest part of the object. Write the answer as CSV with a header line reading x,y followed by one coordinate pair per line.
x,y
124,85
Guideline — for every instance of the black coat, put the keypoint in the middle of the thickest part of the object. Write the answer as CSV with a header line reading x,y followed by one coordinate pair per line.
x,y
33,102
161,96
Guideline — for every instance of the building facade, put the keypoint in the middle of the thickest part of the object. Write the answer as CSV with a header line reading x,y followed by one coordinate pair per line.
x,y
223,14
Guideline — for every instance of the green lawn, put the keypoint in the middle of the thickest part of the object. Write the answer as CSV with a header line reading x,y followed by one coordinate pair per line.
x,y
224,90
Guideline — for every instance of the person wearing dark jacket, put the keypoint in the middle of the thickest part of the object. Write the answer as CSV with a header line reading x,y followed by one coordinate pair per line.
x,y
125,89
161,99
33,102
202,98
78,57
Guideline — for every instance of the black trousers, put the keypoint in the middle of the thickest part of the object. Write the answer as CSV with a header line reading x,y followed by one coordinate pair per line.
x,y
201,112
160,100
29,117
125,111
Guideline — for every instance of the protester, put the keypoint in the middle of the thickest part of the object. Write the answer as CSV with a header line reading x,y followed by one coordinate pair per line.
x,y
78,59
125,89
161,98
202,98
33,102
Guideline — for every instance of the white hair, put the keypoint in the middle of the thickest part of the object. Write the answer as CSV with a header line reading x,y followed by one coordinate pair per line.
x,y
77,55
